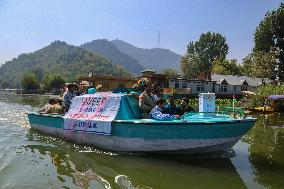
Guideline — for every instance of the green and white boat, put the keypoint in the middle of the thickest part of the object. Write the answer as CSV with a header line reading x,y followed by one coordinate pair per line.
x,y
198,133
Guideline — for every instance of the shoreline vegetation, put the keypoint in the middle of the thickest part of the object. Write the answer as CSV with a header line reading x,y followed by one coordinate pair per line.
x,y
250,101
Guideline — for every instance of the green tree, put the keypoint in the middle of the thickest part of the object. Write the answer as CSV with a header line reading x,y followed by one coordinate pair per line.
x,y
226,67
170,72
39,73
45,82
56,82
259,64
4,84
190,66
269,36
201,54
51,82
29,82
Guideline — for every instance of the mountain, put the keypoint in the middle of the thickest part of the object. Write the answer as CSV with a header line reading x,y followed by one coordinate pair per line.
x,y
108,50
155,58
57,58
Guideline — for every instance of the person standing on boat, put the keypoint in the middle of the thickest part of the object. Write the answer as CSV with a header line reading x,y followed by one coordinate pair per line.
x,y
68,96
157,112
146,103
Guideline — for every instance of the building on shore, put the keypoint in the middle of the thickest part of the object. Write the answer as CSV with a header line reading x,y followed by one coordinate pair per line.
x,y
159,79
109,83
222,85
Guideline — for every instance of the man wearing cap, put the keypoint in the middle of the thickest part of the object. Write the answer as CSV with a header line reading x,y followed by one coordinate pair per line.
x,y
68,96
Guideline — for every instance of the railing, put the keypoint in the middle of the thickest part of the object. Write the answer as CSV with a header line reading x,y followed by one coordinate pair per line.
x,y
236,112
224,113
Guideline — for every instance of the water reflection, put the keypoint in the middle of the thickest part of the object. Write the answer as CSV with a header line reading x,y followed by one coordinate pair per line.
x,y
126,171
32,100
267,150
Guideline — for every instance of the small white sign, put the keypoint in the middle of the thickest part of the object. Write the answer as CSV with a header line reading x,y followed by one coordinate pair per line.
x,y
207,102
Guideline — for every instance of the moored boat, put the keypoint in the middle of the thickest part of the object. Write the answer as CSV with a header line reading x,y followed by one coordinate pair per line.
x,y
195,134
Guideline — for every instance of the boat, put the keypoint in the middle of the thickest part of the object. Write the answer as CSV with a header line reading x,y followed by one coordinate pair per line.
x,y
272,103
195,133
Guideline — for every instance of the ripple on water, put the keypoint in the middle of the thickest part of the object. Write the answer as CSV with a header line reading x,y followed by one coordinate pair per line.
x,y
84,179
125,183
14,114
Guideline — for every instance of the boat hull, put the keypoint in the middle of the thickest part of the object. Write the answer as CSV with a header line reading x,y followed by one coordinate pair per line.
x,y
149,137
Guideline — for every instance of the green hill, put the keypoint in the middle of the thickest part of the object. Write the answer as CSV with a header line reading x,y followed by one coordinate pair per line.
x,y
108,50
57,58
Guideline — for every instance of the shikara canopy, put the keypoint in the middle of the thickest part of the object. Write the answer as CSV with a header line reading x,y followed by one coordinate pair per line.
x,y
275,97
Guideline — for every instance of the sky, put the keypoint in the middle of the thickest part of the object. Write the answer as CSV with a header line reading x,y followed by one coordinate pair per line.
x,y
28,25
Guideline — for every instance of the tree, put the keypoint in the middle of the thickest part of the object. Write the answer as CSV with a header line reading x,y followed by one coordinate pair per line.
x,y
201,54
29,82
269,36
190,66
4,84
226,67
170,72
45,82
259,64
56,82
39,73
51,82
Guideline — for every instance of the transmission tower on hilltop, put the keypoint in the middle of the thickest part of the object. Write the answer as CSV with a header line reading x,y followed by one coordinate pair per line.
x,y
158,42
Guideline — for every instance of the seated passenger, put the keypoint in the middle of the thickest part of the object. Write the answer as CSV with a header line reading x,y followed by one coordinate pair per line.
x,y
171,107
156,93
55,108
46,106
91,90
146,103
184,107
156,113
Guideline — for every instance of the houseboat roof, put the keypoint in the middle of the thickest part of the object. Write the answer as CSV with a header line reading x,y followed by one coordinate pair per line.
x,y
239,80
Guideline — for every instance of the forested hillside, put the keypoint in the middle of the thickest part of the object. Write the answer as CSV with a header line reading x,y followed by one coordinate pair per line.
x,y
57,58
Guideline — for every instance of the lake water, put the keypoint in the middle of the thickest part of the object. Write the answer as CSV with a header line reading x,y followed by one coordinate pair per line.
x,y
29,159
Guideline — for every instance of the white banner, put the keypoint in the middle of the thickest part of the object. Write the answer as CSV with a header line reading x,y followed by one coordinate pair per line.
x,y
92,113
